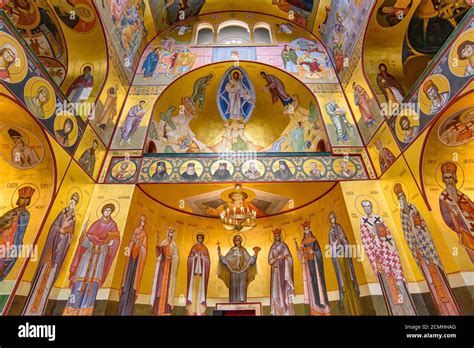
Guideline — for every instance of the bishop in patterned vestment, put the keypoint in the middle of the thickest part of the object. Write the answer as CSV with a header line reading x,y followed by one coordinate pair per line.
x,y
383,255
418,238
457,209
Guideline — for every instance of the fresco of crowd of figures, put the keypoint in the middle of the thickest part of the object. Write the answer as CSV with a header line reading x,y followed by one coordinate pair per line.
x,y
323,98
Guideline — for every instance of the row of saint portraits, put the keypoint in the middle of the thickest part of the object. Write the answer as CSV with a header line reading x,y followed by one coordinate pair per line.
x,y
192,170
99,243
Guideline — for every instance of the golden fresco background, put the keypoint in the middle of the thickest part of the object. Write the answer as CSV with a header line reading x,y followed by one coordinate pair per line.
x,y
39,173
116,59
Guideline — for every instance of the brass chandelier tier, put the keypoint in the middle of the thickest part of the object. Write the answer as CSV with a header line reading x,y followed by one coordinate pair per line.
x,y
238,216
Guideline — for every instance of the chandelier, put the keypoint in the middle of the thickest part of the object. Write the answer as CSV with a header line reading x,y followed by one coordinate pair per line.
x,y
238,216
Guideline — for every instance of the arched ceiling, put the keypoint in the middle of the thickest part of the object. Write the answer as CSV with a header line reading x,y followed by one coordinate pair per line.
x,y
269,126
270,199
407,37
301,12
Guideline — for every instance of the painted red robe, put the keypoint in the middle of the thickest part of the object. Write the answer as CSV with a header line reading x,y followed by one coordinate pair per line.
x,y
199,266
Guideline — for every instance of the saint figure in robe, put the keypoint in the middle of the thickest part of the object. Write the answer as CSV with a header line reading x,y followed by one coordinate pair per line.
x,y
91,263
13,226
54,252
277,90
423,249
457,208
109,111
282,286
383,255
87,159
134,265
311,257
166,270
150,63
344,268
81,88
364,102
132,122
199,265
386,157
343,128
237,269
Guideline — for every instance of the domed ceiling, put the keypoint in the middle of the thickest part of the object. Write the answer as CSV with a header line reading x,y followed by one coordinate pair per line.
x,y
209,199
206,116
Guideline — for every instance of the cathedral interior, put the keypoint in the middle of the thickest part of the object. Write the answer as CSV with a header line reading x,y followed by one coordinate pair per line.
x,y
259,157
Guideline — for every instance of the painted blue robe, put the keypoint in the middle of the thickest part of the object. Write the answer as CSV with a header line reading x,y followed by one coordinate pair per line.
x,y
149,65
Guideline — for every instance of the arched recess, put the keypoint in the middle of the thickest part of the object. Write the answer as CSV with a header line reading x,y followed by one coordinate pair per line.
x,y
186,121
404,39
159,217
28,180
174,41
172,54
447,164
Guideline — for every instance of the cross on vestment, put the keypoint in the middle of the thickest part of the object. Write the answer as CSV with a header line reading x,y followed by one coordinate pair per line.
x,y
389,240
462,127
446,197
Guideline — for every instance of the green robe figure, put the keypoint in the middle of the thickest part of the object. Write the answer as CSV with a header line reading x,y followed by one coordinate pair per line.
x,y
87,159
290,59
199,90
344,268
297,138
37,103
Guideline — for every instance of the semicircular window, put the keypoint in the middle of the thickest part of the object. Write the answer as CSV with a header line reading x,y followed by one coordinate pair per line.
x,y
233,33
262,34
205,35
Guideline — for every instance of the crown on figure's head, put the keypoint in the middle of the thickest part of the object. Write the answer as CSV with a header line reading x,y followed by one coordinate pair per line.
x,y
397,188
26,192
306,224
276,231
449,167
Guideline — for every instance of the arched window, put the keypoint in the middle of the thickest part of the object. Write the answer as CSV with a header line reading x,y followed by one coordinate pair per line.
x,y
205,34
233,33
262,34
